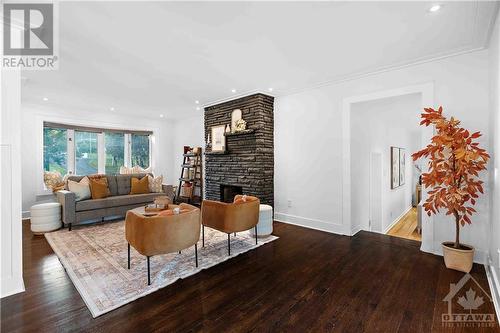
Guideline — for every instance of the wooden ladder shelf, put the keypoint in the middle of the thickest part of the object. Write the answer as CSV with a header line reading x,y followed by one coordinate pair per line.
x,y
190,188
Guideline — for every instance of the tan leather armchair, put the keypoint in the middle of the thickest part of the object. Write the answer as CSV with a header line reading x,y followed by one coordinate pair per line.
x,y
163,234
230,217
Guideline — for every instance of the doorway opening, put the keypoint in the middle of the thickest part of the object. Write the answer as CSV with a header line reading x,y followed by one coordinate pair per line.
x,y
384,180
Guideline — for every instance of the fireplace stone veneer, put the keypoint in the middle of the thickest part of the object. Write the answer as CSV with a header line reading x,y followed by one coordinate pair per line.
x,y
249,157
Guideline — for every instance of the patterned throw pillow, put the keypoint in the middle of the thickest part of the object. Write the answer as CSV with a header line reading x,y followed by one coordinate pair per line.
x,y
124,170
81,188
155,184
136,169
52,179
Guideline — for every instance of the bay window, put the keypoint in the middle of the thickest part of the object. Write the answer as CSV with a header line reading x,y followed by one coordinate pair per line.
x,y
83,150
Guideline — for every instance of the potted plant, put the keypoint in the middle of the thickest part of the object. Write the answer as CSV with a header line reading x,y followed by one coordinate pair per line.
x,y
455,161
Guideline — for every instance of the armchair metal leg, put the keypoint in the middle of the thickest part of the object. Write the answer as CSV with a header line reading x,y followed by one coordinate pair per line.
x,y
202,235
69,226
149,273
179,251
196,253
234,234
229,244
255,234
128,250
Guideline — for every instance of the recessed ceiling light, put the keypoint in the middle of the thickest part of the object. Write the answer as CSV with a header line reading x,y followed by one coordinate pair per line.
x,y
161,116
270,89
233,90
112,109
197,102
45,99
435,8
198,108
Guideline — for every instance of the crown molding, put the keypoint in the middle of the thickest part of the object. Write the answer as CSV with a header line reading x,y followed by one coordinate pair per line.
x,y
235,96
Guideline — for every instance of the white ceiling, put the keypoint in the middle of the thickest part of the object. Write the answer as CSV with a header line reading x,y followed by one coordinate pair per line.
x,y
159,57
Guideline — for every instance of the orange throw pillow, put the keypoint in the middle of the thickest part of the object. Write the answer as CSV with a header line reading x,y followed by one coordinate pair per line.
x,y
99,188
139,186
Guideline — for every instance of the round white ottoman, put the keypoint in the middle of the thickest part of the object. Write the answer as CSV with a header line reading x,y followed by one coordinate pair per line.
x,y
265,225
45,217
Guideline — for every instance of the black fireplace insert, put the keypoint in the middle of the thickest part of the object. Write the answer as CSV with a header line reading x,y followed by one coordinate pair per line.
x,y
228,192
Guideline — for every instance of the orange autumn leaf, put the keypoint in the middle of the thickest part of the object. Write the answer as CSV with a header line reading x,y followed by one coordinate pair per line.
x,y
454,162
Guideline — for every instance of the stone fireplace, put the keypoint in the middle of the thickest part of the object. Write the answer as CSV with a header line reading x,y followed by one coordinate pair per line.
x,y
247,165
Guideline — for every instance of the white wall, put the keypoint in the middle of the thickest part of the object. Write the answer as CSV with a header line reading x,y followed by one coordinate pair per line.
x,y
186,132
494,166
11,271
308,142
32,143
375,127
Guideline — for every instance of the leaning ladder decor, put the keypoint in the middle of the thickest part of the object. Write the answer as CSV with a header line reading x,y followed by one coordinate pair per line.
x,y
191,177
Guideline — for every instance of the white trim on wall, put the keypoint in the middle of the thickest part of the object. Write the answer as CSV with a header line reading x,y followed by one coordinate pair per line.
x,y
494,284
11,270
312,223
427,92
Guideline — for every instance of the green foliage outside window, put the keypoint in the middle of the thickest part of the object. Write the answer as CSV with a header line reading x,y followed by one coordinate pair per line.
x,y
140,150
55,150
115,152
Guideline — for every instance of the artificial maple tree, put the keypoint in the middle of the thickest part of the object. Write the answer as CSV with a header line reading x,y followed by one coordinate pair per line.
x,y
455,160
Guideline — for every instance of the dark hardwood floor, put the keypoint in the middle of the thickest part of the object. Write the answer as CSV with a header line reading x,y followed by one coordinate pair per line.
x,y
307,280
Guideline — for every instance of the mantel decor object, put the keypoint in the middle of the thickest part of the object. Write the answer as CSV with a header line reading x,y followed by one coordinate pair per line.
x,y
241,125
235,116
218,138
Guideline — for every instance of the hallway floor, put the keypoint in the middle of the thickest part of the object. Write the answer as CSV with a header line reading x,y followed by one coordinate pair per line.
x,y
406,227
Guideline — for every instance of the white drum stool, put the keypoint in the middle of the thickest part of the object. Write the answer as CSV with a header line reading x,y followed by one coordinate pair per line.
x,y
45,217
265,225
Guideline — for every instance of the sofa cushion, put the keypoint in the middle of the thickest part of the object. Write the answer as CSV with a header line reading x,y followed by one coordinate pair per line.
x,y
112,185
114,201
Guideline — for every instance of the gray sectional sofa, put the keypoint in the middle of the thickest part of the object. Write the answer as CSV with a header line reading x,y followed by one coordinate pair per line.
x,y
120,201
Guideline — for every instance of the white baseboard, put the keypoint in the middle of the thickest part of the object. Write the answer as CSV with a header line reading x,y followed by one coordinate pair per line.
x,y
356,230
26,214
396,220
312,223
11,286
494,283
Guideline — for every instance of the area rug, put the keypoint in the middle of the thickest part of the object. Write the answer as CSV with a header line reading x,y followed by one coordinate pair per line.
x,y
95,258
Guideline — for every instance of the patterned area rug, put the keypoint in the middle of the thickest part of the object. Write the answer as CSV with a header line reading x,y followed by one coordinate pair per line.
x,y
95,258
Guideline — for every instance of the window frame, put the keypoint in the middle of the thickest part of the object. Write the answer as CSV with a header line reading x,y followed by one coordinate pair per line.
x,y
101,147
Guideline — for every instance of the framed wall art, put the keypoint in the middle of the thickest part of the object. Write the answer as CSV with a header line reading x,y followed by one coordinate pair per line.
x,y
402,166
394,167
398,167
218,138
